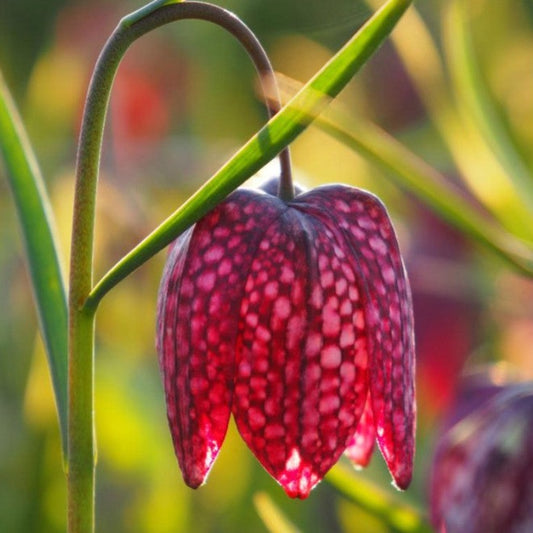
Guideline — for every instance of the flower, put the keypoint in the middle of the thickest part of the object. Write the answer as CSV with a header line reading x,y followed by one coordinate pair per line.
x,y
483,466
293,317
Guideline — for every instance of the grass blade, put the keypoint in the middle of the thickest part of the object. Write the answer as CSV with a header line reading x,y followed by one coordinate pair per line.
x,y
412,174
42,253
473,157
416,177
477,100
398,516
271,515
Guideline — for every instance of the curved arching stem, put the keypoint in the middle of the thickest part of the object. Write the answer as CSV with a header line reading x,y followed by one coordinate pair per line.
x,y
80,475
98,98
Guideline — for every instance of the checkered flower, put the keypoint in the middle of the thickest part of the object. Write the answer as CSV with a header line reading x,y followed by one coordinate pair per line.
x,y
297,319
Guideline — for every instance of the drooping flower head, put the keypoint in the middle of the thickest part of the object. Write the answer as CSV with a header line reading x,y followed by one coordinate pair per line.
x,y
483,465
296,317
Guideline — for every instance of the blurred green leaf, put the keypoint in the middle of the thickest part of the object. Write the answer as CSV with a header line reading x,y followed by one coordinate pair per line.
x,y
42,254
399,517
477,164
275,521
32,20
282,129
477,100
413,175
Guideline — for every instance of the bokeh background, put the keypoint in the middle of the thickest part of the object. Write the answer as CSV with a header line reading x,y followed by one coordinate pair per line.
x,y
183,101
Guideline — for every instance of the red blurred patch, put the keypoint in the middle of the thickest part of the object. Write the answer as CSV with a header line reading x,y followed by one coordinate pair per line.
x,y
446,307
139,108
149,91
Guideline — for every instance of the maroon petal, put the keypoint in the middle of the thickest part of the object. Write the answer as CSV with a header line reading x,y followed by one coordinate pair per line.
x,y
370,241
361,445
301,380
198,317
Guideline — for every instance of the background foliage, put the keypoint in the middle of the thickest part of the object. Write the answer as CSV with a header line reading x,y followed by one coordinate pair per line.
x,y
183,103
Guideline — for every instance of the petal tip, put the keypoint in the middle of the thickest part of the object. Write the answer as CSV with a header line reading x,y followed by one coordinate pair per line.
x,y
357,462
195,467
195,477
194,483
299,489
296,494
402,480
300,481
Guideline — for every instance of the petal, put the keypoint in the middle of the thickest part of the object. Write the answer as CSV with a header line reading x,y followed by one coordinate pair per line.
x,y
370,241
301,379
198,316
482,470
361,445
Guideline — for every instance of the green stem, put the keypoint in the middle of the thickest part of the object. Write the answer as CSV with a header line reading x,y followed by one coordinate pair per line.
x,y
81,454
142,12
81,462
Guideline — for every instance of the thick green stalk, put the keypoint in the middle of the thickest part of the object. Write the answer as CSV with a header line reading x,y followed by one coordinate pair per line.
x,y
81,456
81,442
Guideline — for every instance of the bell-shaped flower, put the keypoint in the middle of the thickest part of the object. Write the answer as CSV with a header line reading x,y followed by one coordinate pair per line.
x,y
483,466
294,317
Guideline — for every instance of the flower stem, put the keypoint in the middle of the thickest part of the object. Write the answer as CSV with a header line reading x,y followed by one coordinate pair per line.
x,y
81,463
81,456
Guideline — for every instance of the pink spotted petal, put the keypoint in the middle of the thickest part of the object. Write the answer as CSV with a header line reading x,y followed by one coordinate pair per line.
x,y
301,379
361,445
370,240
198,318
